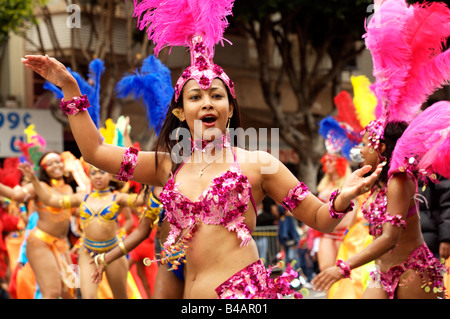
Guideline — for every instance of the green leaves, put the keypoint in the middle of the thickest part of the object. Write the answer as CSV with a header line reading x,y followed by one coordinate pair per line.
x,y
16,15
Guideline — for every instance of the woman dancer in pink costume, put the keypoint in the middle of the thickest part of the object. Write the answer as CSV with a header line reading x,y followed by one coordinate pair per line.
x,y
410,144
210,198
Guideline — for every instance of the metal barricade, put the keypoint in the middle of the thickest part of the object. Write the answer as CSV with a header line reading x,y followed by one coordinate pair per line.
x,y
266,238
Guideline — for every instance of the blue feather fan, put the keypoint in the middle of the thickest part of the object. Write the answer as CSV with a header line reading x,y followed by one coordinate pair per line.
x,y
153,84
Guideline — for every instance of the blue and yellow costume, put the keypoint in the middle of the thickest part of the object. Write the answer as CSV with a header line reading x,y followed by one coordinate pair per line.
x,y
109,214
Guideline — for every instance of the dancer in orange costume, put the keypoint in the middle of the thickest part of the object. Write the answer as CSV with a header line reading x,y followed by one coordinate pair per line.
x,y
47,248
98,211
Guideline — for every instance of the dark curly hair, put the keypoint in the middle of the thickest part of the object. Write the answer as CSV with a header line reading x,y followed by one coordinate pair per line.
x,y
392,132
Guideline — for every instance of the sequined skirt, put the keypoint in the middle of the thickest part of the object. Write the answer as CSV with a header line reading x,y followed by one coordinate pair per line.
x,y
255,282
423,262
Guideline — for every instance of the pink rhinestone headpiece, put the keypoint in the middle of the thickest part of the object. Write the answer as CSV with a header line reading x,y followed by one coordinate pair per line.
x,y
202,69
376,132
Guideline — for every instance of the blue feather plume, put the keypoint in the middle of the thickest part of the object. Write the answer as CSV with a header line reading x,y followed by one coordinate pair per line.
x,y
96,69
153,84
338,138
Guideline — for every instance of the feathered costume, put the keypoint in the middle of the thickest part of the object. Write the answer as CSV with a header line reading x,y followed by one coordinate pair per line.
x,y
407,43
196,24
34,147
342,134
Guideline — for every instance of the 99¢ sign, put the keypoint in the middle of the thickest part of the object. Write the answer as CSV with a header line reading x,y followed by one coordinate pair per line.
x,y
13,123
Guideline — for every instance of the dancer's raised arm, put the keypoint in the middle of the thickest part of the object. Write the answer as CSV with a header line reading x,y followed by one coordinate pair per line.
x,y
284,188
107,157
50,199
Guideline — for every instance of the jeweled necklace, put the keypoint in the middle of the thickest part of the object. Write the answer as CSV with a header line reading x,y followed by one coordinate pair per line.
x,y
58,184
100,192
202,145
201,170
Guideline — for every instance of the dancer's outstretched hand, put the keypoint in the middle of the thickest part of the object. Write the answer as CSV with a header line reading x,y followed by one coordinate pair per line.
x,y
49,68
356,184
326,278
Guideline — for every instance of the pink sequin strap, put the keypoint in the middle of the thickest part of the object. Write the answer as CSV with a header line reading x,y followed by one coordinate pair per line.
x,y
295,196
335,214
344,268
128,164
76,105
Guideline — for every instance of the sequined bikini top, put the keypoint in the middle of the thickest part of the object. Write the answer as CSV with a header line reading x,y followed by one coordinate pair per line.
x,y
107,213
377,215
222,203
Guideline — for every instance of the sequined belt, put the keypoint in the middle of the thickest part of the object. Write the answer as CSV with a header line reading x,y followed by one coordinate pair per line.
x,y
96,247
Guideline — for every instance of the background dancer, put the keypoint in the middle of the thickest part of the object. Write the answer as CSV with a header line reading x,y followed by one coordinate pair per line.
x,y
47,244
405,267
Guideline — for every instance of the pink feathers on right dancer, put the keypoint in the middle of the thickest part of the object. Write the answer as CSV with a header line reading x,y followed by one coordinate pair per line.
x,y
425,144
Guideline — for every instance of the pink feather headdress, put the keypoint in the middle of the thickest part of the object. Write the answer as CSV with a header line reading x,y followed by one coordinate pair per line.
x,y
196,24
406,43
410,64
425,145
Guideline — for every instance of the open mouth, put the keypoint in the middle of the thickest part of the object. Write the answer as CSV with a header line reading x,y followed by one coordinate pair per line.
x,y
209,119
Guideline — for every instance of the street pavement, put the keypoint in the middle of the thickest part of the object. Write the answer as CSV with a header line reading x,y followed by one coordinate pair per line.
x,y
312,294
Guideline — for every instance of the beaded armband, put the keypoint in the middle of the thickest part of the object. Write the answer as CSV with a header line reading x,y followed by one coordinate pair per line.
x,y
396,220
344,268
295,196
333,213
77,104
128,164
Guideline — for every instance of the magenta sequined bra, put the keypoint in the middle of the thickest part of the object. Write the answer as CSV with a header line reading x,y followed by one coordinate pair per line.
x,y
377,215
222,203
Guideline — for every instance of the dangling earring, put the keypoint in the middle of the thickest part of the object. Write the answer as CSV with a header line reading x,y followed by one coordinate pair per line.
x,y
228,125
